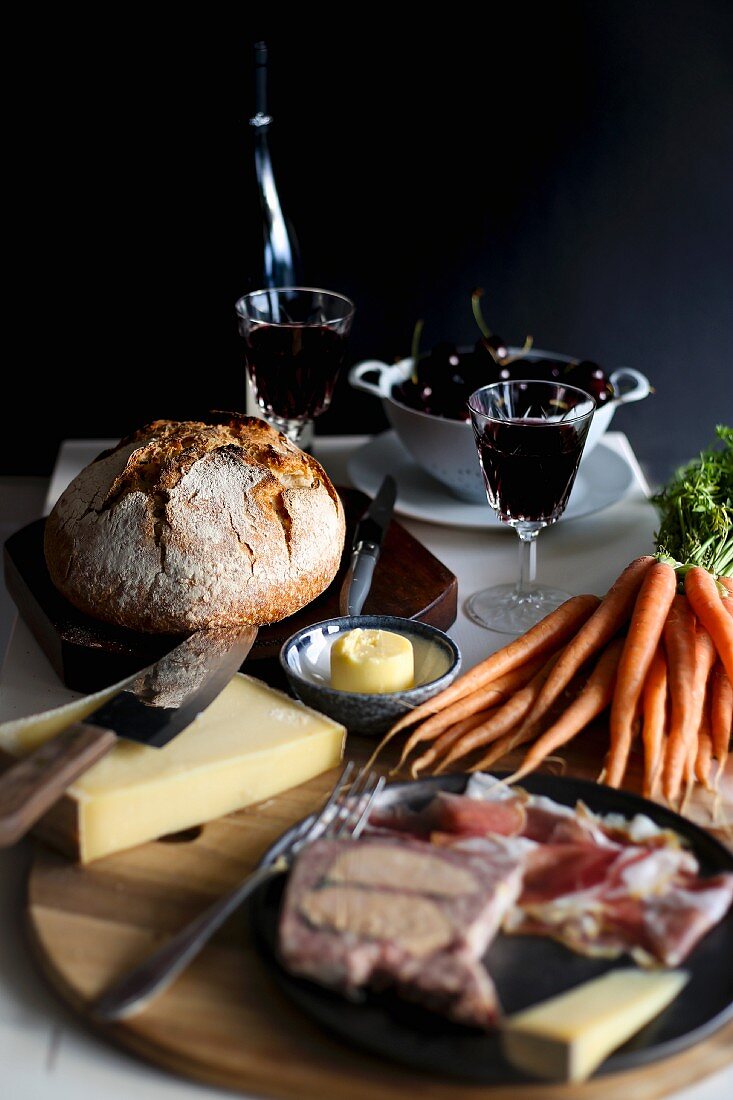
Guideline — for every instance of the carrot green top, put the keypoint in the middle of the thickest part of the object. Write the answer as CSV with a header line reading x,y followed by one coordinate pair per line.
x,y
696,511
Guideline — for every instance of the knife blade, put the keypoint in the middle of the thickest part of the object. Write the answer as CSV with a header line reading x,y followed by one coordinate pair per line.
x,y
367,547
156,705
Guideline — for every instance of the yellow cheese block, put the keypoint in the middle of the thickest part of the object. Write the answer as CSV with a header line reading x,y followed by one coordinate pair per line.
x,y
372,661
22,735
251,743
567,1037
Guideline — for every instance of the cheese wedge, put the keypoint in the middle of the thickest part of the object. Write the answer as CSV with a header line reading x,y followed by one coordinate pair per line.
x,y
567,1037
251,743
22,735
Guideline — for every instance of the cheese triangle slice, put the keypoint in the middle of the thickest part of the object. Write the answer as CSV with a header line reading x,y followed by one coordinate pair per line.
x,y
251,743
22,735
568,1036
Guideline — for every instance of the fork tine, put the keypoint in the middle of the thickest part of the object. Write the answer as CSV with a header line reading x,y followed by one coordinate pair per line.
x,y
353,806
339,824
341,811
361,782
339,785
364,815
322,823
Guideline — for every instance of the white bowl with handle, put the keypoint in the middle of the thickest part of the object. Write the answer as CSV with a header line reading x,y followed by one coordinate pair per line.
x,y
446,448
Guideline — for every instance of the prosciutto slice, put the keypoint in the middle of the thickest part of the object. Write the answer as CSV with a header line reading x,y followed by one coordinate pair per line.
x,y
602,885
458,815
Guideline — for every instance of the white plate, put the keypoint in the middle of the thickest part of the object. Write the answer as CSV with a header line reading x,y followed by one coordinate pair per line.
x,y
604,478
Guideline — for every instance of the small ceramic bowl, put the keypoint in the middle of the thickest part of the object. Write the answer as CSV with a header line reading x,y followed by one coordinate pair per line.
x,y
306,660
446,448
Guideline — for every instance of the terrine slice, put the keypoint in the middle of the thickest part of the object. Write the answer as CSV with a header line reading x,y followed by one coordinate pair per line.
x,y
387,912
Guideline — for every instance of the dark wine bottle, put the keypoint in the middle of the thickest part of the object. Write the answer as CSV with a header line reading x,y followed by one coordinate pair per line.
x,y
282,265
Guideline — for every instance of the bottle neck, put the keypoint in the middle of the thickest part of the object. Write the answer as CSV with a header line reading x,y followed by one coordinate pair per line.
x,y
280,249
260,122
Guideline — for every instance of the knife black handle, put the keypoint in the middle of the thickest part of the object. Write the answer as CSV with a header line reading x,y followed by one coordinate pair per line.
x,y
35,783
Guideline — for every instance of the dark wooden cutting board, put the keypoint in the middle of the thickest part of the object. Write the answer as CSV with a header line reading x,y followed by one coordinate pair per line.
x,y
89,655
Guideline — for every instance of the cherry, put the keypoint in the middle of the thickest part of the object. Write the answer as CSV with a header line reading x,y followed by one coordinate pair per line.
x,y
492,347
590,377
445,378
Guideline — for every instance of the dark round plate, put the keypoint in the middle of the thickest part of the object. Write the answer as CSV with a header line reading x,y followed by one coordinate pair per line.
x,y
525,969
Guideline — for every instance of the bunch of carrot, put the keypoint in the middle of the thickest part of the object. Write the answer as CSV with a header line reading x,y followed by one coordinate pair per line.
x,y
661,659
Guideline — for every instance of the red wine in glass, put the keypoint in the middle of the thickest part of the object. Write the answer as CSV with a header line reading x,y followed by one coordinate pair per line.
x,y
295,344
530,436
529,467
294,368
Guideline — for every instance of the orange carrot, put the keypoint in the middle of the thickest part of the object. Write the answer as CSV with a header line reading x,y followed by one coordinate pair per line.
x,y
680,645
647,622
704,754
500,721
449,738
707,604
655,714
591,701
704,663
494,693
542,640
524,733
606,621
721,716
501,747
688,775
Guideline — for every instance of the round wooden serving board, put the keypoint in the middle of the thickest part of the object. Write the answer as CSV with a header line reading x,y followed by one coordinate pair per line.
x,y
225,1022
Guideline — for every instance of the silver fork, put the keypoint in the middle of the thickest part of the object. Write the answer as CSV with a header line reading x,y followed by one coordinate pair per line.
x,y
340,817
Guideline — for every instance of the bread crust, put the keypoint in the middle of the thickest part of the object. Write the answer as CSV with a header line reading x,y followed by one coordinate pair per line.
x,y
193,524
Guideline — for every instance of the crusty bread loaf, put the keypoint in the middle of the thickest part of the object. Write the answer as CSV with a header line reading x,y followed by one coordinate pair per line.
x,y
186,525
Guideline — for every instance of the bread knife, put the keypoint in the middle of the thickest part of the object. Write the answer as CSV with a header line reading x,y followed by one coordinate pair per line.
x,y
367,547
157,704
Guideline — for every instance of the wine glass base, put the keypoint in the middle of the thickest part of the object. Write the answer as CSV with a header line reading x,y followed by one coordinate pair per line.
x,y
505,609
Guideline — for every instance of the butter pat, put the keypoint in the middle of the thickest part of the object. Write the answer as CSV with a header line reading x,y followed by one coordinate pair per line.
x,y
567,1037
372,662
251,743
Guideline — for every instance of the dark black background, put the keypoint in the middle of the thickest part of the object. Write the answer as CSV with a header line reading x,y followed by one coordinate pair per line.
x,y
574,159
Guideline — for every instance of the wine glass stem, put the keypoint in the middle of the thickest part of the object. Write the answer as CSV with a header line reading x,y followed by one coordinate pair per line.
x,y
297,431
527,558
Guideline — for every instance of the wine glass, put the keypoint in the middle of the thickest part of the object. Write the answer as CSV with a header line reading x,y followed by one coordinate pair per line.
x,y
295,344
530,437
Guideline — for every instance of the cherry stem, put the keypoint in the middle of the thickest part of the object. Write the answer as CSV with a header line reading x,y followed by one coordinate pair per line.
x,y
415,348
527,347
476,297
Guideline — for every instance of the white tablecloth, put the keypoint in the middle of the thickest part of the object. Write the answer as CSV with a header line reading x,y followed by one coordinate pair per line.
x,y
44,1050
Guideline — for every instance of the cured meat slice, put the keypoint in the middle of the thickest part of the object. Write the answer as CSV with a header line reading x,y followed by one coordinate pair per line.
x,y
457,814
464,816
399,819
554,870
602,885
385,912
668,926
646,902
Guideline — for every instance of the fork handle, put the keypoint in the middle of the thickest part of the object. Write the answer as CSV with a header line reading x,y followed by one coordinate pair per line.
x,y
135,989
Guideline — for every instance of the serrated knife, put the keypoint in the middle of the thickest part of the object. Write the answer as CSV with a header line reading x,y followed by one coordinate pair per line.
x,y
157,704
367,547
